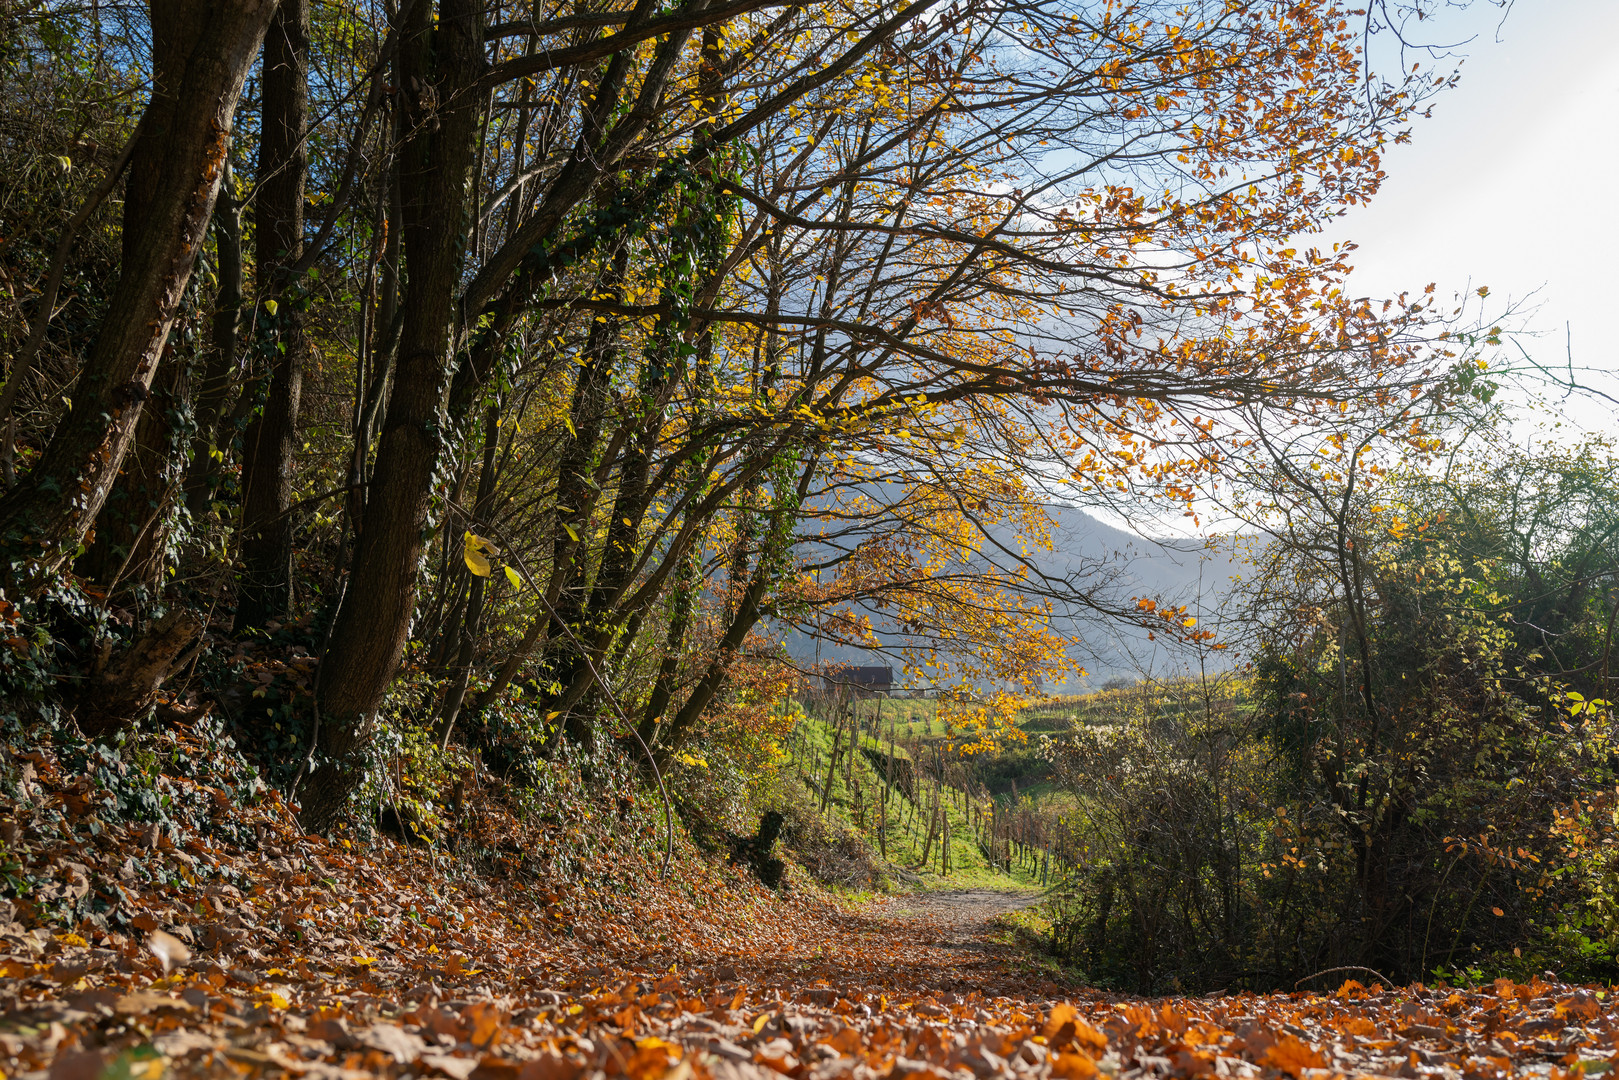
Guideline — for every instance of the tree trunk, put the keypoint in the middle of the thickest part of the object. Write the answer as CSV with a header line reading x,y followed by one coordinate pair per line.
x,y
385,325
577,493
688,584
278,244
131,532
219,370
201,53
125,688
441,55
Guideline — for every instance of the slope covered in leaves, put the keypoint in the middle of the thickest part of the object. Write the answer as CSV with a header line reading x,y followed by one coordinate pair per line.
x,y
283,954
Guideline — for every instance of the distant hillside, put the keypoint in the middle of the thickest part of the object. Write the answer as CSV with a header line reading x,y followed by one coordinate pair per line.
x,y
1088,552
1172,571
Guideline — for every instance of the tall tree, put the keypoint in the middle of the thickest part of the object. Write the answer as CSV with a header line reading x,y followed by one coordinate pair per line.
x,y
202,51
620,92
440,59
280,345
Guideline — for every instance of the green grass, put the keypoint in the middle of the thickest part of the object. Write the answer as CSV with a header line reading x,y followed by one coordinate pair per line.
x,y
906,830
918,718
910,718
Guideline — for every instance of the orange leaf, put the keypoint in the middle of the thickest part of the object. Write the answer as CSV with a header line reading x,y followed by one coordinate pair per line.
x,y
1074,1065
1062,1015
1293,1056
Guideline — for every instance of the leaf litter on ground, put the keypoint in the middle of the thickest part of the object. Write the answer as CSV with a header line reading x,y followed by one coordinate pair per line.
x,y
306,957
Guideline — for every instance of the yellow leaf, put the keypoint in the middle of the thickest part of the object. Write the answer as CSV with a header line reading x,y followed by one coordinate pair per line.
x,y
759,1024
571,534
477,551
513,577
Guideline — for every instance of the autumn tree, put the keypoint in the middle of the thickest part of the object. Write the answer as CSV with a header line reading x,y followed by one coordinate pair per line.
x,y
658,330
200,55
1402,685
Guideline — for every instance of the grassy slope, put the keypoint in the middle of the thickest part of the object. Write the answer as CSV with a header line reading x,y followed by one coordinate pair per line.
x,y
918,719
907,831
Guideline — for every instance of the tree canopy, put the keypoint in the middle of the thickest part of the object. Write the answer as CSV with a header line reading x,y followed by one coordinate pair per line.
x,y
559,359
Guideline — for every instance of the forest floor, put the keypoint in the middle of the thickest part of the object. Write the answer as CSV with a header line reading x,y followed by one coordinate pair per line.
x,y
962,919
965,907
289,955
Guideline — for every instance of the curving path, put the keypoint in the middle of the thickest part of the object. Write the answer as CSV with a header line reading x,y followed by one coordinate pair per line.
x,y
959,919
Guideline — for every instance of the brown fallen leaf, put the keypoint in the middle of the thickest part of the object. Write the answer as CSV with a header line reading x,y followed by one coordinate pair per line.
x,y
392,1040
548,1066
1074,1065
141,1002
170,951
457,1067
177,1044
78,1065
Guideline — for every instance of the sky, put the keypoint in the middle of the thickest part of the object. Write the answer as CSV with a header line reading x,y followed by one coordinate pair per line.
x,y
1514,182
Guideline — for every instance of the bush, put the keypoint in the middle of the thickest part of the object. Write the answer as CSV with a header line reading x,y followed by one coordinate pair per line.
x,y
1168,838
1408,780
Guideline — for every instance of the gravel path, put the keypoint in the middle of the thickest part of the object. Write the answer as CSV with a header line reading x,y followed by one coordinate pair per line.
x,y
962,916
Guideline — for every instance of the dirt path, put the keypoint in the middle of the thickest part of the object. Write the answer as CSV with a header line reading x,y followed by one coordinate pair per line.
x,y
965,904
961,921
961,910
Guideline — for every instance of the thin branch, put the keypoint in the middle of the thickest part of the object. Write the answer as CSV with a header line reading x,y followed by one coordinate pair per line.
x,y
23,367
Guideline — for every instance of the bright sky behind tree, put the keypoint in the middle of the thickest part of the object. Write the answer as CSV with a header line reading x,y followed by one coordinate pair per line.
x,y
1511,183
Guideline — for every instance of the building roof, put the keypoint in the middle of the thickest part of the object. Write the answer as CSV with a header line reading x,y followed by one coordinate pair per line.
x,y
861,676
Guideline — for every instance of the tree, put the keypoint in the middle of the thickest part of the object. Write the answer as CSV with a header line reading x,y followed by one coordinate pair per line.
x,y
200,57
1399,680
1396,777
267,444
874,284
722,317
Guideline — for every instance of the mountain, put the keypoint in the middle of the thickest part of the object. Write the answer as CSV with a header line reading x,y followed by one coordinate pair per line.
x,y
1122,566
1178,571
